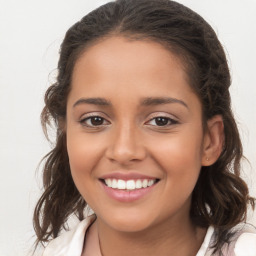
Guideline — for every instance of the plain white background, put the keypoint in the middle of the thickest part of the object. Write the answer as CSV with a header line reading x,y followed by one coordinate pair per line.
x,y
30,36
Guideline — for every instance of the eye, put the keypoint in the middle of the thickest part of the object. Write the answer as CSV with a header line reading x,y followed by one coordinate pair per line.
x,y
161,121
94,121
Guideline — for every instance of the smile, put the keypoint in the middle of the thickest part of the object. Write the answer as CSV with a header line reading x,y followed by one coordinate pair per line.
x,y
129,184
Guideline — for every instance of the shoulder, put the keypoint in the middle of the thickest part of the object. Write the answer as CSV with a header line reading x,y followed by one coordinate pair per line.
x,y
245,242
71,242
241,243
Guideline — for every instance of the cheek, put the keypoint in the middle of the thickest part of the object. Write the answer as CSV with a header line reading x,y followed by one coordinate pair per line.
x,y
181,165
84,153
83,158
180,158
185,150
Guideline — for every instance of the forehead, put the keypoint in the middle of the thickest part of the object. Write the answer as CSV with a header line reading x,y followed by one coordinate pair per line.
x,y
117,65
116,54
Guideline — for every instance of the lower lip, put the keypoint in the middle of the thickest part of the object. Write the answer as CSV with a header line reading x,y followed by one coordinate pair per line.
x,y
127,195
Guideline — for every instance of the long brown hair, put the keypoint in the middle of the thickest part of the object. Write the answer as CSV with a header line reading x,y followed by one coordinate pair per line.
x,y
220,197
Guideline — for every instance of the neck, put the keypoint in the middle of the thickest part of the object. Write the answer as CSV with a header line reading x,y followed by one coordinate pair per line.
x,y
176,238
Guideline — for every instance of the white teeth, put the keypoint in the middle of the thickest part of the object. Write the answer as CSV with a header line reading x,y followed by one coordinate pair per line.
x,y
108,182
144,183
138,184
114,183
129,184
150,183
121,184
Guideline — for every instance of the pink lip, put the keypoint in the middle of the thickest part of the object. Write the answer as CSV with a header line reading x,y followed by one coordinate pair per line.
x,y
126,176
127,195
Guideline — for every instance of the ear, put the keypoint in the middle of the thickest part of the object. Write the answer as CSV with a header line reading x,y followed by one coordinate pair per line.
x,y
213,140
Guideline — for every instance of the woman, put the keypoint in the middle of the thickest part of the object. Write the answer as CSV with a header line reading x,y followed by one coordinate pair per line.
x,y
145,137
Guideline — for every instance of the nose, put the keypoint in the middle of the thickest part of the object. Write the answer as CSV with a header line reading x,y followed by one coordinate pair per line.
x,y
125,145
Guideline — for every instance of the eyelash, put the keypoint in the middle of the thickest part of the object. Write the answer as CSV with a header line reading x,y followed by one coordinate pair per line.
x,y
164,119
169,120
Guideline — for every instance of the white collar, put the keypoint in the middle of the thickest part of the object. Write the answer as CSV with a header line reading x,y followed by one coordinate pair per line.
x,y
71,242
206,242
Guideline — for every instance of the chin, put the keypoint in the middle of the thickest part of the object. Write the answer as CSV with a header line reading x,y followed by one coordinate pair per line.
x,y
128,222
130,227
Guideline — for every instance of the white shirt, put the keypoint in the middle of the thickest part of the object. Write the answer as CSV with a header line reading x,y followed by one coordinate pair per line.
x,y
71,243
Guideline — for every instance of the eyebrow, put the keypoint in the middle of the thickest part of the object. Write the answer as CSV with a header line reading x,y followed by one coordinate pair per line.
x,y
149,101
161,100
93,101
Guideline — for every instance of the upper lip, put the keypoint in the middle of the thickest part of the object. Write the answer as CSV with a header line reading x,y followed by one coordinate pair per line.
x,y
127,176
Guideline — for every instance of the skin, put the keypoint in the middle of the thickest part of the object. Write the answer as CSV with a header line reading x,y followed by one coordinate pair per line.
x,y
129,139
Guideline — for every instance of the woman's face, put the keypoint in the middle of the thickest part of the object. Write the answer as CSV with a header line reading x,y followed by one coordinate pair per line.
x,y
134,134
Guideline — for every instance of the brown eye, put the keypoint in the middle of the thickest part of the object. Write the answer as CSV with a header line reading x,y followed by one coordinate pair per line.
x,y
161,121
93,121
96,120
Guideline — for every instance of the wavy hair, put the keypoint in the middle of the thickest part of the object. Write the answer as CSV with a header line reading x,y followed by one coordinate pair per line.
x,y
220,197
